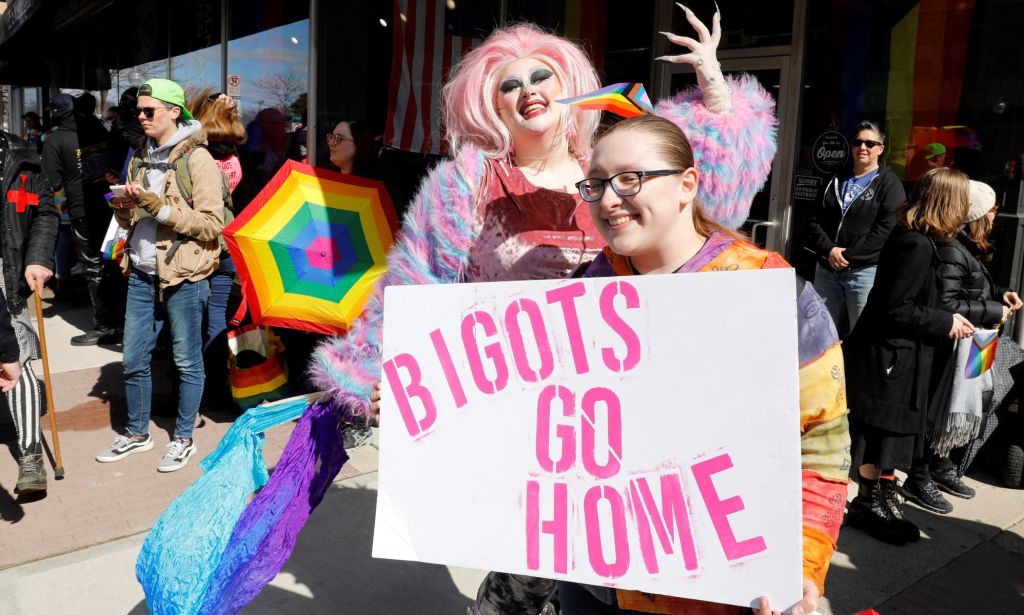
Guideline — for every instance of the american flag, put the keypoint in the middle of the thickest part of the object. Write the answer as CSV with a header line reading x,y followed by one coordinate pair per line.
x,y
424,53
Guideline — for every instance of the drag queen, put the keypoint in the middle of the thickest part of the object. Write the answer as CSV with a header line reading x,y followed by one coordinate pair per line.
x,y
505,207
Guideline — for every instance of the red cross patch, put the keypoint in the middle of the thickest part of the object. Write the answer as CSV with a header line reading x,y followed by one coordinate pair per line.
x,y
22,198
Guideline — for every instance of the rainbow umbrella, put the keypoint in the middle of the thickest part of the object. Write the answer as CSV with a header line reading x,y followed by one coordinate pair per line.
x,y
310,246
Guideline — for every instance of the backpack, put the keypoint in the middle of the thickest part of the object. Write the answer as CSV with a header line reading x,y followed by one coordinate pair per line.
x,y
184,179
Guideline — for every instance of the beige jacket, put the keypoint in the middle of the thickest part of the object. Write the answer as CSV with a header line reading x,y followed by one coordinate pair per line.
x,y
194,227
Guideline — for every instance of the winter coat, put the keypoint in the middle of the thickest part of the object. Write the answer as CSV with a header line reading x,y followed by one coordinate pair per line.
x,y
901,333
965,286
186,242
62,160
29,235
824,432
10,352
865,226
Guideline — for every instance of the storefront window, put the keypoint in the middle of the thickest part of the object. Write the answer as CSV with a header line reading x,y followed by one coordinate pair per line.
x,y
268,57
195,46
932,75
745,23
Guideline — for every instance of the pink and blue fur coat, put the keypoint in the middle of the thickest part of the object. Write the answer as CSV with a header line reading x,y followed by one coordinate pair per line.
x,y
732,151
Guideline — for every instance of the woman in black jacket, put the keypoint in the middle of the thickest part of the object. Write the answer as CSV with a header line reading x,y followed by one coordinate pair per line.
x,y
965,288
850,226
889,356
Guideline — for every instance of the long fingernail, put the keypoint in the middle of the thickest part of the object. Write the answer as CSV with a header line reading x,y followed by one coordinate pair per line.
x,y
662,58
683,6
718,11
668,34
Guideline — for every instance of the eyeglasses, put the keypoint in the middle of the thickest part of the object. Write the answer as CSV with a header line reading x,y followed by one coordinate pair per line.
x,y
148,111
868,142
626,183
335,138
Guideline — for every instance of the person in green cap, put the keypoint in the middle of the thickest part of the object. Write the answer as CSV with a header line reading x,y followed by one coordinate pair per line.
x,y
174,210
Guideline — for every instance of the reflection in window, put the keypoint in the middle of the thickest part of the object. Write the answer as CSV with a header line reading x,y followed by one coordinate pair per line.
x,y
268,55
198,70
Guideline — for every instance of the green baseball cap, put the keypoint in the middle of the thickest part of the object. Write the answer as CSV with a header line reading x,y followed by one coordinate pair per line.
x,y
167,91
934,149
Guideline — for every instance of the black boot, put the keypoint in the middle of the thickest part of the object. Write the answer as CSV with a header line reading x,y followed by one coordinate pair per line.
x,y
870,514
99,335
1013,468
950,482
31,471
892,502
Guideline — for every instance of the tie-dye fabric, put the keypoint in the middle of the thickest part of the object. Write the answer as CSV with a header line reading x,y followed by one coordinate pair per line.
x,y
825,436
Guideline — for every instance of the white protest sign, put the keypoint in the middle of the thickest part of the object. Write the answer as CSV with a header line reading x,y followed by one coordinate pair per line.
x,y
637,432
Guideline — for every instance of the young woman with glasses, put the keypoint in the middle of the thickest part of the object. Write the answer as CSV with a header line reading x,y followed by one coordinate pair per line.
x,y
644,197
353,148
850,225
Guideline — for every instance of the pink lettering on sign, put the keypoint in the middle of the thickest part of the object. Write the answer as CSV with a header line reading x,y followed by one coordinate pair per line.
x,y
613,421
671,517
493,352
629,337
620,564
448,366
557,527
540,334
720,509
563,432
415,427
566,297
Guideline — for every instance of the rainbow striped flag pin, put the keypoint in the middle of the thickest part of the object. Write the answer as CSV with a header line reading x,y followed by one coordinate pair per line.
x,y
624,99
983,352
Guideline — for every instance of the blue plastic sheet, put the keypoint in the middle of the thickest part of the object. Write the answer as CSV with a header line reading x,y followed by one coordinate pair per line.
x,y
184,548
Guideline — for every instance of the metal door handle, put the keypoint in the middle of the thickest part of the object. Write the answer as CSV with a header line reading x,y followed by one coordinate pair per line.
x,y
756,224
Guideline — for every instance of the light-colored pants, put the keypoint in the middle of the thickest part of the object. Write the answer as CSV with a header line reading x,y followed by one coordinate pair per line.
x,y
845,293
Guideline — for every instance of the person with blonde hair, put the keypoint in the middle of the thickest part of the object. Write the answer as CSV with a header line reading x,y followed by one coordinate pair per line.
x,y
224,130
965,288
902,335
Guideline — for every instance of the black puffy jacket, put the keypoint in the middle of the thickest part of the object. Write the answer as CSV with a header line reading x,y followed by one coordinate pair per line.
x,y
965,286
28,223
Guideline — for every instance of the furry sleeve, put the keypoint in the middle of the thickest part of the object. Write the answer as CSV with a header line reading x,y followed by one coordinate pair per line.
x,y
733,151
432,248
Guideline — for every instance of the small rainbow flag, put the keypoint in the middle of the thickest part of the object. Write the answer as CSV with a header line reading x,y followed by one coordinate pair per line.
x,y
983,352
625,99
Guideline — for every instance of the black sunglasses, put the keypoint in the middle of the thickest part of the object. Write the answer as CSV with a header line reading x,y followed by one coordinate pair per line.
x,y
868,142
148,111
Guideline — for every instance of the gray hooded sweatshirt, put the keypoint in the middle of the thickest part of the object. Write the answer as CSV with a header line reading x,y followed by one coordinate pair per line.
x,y
142,246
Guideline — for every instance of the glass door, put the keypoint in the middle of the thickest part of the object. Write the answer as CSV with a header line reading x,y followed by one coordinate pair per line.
x,y
768,222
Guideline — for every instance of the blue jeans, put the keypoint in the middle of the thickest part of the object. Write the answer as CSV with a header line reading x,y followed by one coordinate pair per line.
x,y
217,304
145,317
845,293
215,337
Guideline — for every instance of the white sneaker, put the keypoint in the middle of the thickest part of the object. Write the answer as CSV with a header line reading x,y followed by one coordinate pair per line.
x,y
178,452
125,445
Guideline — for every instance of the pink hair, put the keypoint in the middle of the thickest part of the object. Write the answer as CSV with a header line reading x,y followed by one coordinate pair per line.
x,y
468,97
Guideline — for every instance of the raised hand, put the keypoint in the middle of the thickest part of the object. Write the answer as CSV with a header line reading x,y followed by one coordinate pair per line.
x,y
702,57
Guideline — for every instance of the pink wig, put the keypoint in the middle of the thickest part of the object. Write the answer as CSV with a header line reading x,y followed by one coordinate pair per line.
x,y
468,97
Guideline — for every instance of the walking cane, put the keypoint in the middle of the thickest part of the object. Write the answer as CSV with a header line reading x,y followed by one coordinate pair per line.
x,y
58,472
